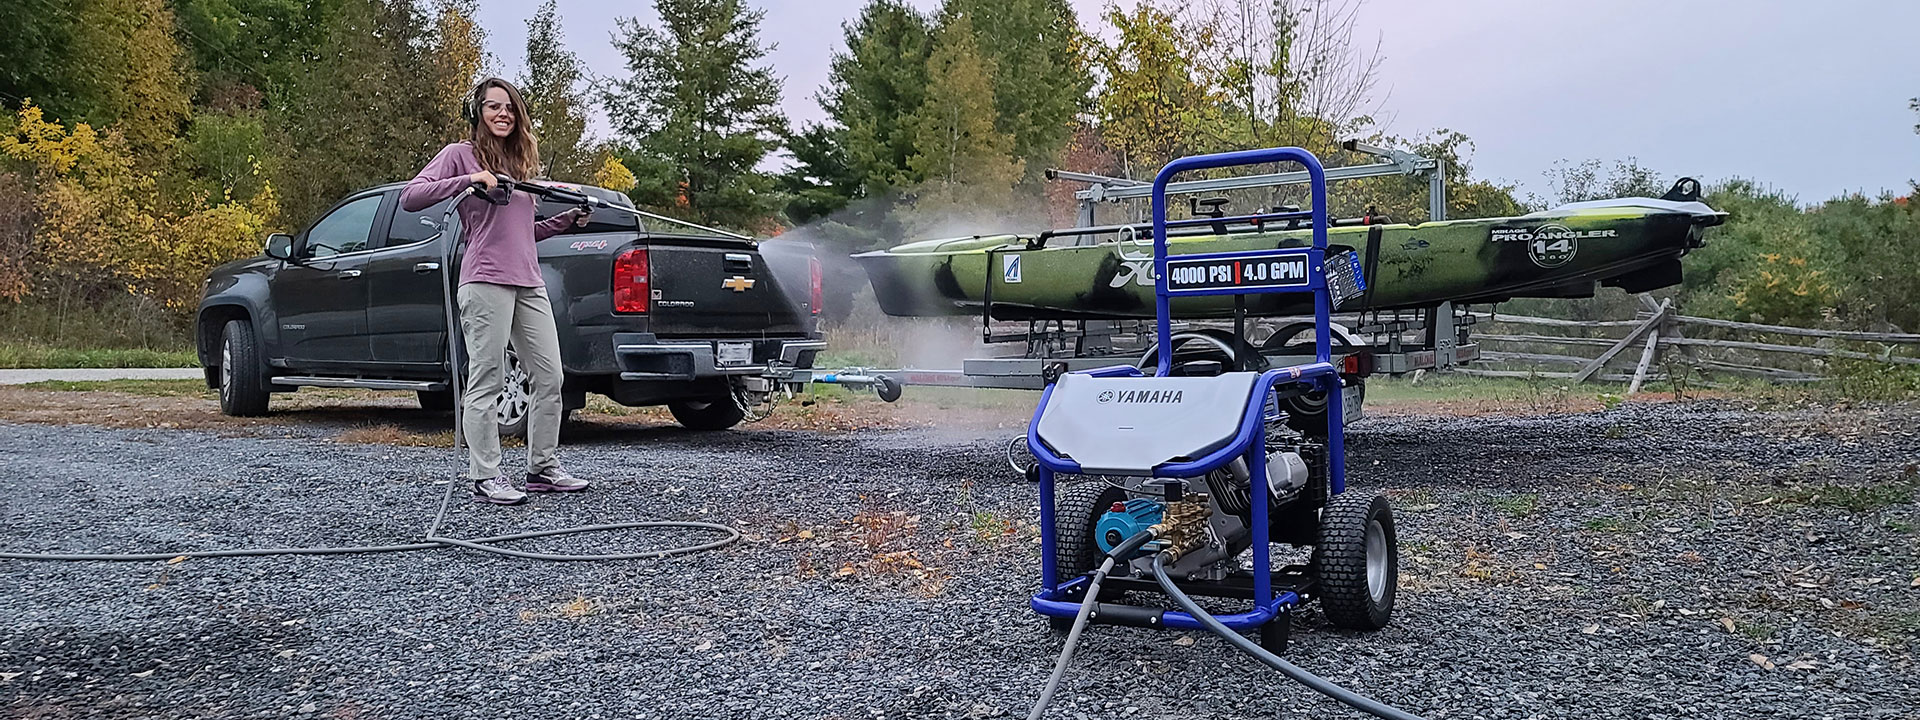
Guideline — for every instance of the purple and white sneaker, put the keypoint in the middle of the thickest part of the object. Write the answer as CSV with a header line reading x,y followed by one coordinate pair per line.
x,y
554,479
497,491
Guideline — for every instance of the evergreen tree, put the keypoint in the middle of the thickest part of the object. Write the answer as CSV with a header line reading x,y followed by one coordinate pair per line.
x,y
698,115
1041,75
551,86
962,157
874,87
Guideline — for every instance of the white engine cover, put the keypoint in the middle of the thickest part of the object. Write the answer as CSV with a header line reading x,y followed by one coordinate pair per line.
x,y
1126,426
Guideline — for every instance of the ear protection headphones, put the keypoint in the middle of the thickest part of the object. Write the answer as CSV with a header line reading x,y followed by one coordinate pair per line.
x,y
471,109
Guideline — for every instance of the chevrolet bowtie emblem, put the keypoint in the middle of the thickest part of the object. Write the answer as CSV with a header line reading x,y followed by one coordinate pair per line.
x,y
737,283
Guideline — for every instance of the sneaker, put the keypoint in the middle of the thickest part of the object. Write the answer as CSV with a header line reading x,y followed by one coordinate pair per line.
x,y
497,491
554,479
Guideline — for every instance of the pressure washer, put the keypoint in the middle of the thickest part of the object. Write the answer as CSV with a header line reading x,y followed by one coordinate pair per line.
x,y
1195,471
500,195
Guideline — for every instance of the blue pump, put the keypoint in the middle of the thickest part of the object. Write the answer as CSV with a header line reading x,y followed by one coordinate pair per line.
x,y
1126,520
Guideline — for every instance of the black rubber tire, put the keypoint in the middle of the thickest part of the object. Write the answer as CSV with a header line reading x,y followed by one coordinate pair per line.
x,y
243,382
435,400
1077,509
707,415
1340,562
1307,416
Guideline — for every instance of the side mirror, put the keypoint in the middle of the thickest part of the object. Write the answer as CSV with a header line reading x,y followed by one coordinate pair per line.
x,y
280,246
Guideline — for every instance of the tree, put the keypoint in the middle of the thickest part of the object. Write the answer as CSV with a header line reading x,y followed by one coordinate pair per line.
x,y
248,52
1156,101
454,57
1040,71
962,158
132,73
821,181
697,114
363,113
873,88
551,86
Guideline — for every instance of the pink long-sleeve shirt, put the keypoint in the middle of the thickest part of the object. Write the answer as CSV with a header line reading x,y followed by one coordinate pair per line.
x,y
500,238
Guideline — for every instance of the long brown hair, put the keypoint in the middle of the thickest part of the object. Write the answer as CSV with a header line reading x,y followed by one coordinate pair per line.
x,y
518,154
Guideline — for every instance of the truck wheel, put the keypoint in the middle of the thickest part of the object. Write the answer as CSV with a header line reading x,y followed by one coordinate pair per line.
x,y
717,414
1357,561
1077,510
243,387
436,400
516,398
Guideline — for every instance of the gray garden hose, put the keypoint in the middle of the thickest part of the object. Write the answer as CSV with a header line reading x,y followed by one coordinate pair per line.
x,y
1313,682
1073,639
432,539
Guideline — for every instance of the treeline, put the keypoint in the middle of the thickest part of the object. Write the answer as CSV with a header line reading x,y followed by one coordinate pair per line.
x,y
1851,262
146,140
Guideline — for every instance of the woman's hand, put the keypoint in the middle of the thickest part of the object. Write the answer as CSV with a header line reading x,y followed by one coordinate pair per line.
x,y
581,215
485,178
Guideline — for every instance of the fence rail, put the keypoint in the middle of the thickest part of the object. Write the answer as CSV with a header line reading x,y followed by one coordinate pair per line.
x,y
1660,334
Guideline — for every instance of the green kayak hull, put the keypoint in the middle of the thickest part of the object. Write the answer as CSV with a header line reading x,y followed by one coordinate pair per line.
x,y
1631,243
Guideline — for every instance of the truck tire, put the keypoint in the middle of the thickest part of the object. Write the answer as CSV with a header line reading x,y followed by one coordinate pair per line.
x,y
716,414
1357,561
436,400
243,384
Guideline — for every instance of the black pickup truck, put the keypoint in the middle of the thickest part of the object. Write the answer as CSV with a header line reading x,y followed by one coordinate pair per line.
x,y
649,313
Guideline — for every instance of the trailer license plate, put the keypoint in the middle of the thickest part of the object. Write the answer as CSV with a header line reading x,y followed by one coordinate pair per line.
x,y
736,353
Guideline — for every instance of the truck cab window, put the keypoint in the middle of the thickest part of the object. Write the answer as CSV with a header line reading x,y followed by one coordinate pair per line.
x,y
344,230
412,227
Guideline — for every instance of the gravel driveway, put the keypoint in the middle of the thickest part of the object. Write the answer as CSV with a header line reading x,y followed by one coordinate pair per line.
x,y
1699,560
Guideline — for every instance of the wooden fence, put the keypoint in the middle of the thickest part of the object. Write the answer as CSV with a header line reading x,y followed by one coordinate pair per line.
x,y
1661,337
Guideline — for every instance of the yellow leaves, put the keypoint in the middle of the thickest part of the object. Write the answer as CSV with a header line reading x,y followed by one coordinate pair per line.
x,y
103,221
614,175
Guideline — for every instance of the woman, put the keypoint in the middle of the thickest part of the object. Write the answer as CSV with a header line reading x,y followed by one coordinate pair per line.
x,y
501,292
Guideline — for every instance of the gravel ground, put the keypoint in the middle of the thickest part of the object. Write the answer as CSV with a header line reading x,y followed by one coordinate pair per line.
x,y
1699,560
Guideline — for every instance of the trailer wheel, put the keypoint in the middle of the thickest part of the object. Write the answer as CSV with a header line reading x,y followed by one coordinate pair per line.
x,y
1077,509
1357,561
1307,414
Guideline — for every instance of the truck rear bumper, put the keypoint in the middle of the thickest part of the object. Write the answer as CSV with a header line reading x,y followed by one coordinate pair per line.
x,y
640,356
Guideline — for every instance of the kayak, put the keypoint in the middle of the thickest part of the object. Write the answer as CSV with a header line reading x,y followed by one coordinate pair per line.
x,y
1107,273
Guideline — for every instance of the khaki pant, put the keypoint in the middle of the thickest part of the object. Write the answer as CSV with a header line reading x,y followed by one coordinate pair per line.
x,y
489,315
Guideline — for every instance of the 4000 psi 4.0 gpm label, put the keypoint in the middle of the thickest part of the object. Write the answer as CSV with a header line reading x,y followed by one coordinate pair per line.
x,y
1279,270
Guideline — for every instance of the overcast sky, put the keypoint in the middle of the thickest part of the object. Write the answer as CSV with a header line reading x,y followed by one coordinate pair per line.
x,y
1807,96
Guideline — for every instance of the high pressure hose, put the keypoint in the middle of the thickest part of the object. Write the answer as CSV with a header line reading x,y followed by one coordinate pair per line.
x,y
1314,682
1126,548
432,539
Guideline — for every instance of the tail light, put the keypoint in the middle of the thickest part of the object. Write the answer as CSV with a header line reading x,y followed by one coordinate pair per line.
x,y
813,271
630,287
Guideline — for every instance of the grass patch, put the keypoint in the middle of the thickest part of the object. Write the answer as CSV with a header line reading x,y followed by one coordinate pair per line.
x,y
17,354
1605,525
153,388
1853,498
1519,506
388,434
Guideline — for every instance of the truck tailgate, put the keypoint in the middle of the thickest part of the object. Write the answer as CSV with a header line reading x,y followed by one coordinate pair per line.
x,y
707,289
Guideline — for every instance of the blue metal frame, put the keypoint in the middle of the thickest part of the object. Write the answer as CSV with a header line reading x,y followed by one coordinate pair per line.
x,y
1250,441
